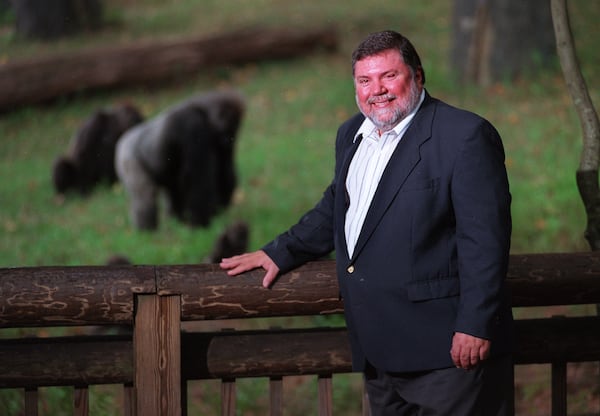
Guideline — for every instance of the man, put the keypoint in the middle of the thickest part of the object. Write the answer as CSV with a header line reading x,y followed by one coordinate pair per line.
x,y
418,213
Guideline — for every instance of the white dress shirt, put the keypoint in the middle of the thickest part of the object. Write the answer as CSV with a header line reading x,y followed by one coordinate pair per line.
x,y
366,169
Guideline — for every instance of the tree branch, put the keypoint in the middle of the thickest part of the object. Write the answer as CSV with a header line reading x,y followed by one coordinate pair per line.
x,y
587,175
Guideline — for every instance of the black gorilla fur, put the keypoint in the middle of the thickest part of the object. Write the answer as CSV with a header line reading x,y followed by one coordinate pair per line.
x,y
90,157
187,151
231,242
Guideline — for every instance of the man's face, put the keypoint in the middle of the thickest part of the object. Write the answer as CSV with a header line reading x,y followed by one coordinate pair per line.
x,y
386,90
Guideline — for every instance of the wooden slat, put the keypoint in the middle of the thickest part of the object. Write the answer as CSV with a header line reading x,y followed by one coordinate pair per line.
x,y
31,402
276,396
325,396
128,400
559,388
366,406
81,401
228,398
157,359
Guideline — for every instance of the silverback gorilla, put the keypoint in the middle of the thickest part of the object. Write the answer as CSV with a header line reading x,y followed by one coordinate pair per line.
x,y
90,157
187,152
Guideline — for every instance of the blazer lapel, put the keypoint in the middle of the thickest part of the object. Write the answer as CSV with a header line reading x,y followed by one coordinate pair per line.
x,y
343,199
403,160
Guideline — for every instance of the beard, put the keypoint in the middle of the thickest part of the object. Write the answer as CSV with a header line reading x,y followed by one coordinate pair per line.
x,y
386,119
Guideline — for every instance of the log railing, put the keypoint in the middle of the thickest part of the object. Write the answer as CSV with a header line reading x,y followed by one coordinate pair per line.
x,y
155,362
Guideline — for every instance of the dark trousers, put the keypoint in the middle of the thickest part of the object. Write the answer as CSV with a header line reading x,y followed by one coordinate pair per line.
x,y
487,390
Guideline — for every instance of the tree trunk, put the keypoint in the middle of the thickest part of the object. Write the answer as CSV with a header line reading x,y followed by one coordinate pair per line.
x,y
35,81
497,40
587,174
50,19
5,6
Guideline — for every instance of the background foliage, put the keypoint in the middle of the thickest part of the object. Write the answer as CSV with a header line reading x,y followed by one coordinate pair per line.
x,y
285,148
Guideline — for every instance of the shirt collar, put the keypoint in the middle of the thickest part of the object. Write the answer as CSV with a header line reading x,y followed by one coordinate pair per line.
x,y
367,127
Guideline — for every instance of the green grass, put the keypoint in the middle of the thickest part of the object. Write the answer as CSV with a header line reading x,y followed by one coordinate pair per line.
x,y
285,151
285,148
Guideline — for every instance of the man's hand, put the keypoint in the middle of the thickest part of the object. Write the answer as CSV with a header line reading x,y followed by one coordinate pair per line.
x,y
468,351
248,261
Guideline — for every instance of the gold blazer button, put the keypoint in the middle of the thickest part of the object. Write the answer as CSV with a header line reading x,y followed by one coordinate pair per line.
x,y
350,269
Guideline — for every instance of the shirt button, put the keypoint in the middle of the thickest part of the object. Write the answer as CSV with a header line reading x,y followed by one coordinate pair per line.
x,y
350,269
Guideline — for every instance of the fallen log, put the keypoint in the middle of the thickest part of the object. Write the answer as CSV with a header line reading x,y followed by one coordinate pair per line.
x,y
38,80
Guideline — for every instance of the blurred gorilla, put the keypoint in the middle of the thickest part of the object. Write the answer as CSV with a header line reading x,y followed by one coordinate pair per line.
x,y
91,154
231,242
118,260
187,152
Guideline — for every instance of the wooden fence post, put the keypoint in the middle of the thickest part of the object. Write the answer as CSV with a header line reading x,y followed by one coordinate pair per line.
x,y
559,388
128,400
325,395
228,397
31,402
276,396
366,406
157,356
81,401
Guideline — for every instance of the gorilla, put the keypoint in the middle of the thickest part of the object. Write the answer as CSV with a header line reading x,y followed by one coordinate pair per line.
x,y
118,260
232,241
187,152
90,157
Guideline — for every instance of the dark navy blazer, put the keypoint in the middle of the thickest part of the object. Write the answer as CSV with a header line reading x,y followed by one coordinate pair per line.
x,y
432,256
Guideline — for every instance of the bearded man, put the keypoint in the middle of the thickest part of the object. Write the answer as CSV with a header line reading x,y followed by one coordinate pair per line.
x,y
418,214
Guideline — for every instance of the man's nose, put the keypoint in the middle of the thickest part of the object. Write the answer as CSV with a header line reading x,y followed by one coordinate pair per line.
x,y
379,88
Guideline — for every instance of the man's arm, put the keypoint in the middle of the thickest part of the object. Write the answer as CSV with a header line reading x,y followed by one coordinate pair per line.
x,y
481,200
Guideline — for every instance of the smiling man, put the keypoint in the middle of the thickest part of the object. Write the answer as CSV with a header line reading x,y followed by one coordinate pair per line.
x,y
418,214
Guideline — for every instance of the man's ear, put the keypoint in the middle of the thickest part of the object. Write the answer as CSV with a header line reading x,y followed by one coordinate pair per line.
x,y
419,77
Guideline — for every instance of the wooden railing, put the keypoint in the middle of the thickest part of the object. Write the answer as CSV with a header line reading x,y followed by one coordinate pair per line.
x,y
156,361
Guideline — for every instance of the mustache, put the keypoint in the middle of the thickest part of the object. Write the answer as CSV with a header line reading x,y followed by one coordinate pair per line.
x,y
381,98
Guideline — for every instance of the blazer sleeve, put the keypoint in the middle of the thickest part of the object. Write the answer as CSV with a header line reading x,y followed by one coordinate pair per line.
x,y
313,236
309,239
481,201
